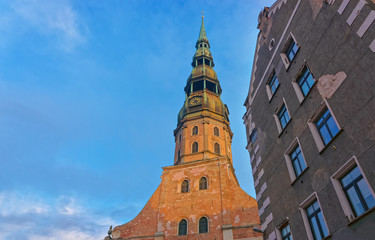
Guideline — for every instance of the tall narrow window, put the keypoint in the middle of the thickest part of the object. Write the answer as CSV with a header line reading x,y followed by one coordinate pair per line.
x,y
273,83
194,147
203,183
291,50
178,155
185,186
217,148
326,126
182,228
195,130
179,138
316,220
305,81
203,225
253,135
357,191
216,131
283,116
285,232
297,161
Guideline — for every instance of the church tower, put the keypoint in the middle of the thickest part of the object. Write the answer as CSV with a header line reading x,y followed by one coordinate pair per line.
x,y
199,196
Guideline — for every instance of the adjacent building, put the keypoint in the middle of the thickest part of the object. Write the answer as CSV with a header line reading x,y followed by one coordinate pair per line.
x,y
199,196
310,119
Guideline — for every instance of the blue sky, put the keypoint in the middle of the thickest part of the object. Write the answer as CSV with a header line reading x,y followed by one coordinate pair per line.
x,y
89,96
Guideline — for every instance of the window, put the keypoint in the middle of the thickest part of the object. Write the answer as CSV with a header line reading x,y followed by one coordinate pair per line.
x,y
179,138
253,135
326,126
295,160
210,86
216,131
323,126
194,147
207,62
357,191
305,81
283,116
182,228
291,50
198,86
285,232
203,183
273,83
200,61
352,188
217,148
313,219
203,225
316,220
178,155
185,186
298,161
195,130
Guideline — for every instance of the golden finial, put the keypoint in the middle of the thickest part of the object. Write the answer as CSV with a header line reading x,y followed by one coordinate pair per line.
x,y
202,15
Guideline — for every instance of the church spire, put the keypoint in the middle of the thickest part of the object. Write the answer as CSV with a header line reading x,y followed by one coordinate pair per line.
x,y
202,35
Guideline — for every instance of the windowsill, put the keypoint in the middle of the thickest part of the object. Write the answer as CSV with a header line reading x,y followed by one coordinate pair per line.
x,y
330,142
273,95
285,127
361,216
299,176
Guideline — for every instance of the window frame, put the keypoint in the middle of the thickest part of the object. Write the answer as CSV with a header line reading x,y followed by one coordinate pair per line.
x,y
272,78
277,119
188,186
219,148
292,174
216,131
192,147
284,53
193,132
208,228
343,199
296,86
200,183
279,231
187,227
314,130
303,206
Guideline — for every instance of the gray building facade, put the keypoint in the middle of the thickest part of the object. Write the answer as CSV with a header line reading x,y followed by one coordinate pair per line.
x,y
310,119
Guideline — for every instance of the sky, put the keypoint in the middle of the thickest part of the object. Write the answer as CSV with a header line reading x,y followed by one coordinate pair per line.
x,y
89,97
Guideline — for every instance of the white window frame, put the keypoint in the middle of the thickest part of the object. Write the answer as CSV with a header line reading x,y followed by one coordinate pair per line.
x,y
288,161
296,86
278,230
314,131
283,55
277,120
335,178
302,209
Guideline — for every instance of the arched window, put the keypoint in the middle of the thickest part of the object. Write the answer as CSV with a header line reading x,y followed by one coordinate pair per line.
x,y
178,155
216,131
185,186
217,148
203,225
203,183
194,148
182,228
195,130
179,138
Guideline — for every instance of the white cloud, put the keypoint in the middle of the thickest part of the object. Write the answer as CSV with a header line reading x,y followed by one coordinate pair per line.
x,y
12,203
56,18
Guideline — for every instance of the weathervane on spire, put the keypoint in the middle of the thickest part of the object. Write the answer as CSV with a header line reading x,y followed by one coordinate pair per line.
x,y
202,15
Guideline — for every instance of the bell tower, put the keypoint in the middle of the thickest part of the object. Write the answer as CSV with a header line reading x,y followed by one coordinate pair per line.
x,y
203,130
199,196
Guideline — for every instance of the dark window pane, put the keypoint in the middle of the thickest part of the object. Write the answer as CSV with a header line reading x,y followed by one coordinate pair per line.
x,y
216,131
185,186
305,81
200,61
327,127
297,161
198,86
316,220
217,148
253,135
195,147
195,130
203,225
285,233
207,62
274,83
291,51
203,183
283,116
182,227
211,86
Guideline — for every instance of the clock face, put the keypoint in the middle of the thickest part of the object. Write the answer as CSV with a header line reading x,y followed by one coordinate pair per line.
x,y
195,101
